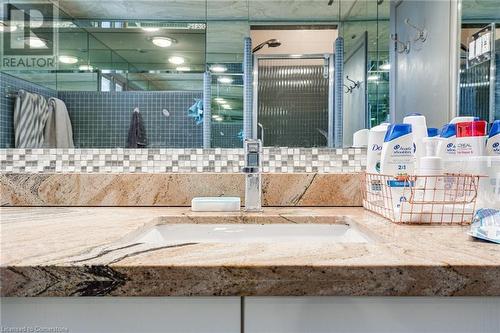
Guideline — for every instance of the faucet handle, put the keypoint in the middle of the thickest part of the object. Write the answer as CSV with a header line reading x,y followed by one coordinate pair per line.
x,y
253,149
250,169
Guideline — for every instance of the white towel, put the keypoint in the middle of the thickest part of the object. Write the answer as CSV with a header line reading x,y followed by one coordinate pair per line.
x,y
30,115
58,131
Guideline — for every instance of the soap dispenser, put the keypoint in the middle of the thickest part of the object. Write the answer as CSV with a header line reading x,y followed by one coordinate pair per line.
x,y
431,170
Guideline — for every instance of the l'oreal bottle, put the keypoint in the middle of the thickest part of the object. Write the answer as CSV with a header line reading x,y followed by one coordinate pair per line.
x,y
471,138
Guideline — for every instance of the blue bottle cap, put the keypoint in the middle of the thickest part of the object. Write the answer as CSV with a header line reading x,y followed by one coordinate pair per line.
x,y
495,128
395,131
431,131
448,131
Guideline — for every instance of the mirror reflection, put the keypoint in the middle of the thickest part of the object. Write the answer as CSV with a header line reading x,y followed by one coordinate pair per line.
x,y
207,74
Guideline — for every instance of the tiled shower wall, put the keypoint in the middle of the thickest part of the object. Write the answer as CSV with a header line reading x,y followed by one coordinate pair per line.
x,y
8,86
225,135
102,119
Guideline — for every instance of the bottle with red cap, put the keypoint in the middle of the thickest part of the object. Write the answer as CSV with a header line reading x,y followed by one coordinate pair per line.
x,y
471,138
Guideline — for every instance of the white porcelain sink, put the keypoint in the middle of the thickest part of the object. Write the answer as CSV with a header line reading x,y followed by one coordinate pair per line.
x,y
251,233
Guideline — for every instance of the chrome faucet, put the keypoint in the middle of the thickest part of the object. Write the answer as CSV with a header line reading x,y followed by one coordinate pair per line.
x,y
253,183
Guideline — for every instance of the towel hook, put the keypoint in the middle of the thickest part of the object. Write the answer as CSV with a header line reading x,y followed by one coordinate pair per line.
x,y
406,46
348,89
421,32
357,84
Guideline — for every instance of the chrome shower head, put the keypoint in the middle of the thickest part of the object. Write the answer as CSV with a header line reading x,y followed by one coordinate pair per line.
x,y
273,42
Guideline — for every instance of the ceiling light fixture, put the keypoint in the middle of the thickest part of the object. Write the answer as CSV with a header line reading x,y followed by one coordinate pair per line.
x,y
162,41
150,29
225,80
385,66
176,60
373,78
226,106
35,42
218,68
183,69
220,100
85,68
66,59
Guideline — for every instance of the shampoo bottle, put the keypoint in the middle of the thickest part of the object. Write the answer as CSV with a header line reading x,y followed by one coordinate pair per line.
x,y
447,148
398,160
493,143
374,149
419,131
471,138
397,157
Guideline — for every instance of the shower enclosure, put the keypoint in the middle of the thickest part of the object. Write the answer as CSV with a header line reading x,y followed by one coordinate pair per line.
x,y
293,100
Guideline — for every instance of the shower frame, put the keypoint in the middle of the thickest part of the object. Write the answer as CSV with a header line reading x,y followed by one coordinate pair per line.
x,y
331,85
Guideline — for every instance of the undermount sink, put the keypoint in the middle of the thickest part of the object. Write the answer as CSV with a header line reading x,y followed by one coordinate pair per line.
x,y
251,233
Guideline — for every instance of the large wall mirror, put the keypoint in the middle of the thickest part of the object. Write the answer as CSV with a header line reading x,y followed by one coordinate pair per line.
x,y
479,78
114,58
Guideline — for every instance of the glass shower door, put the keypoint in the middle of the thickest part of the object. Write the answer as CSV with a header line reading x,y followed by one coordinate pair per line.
x,y
294,96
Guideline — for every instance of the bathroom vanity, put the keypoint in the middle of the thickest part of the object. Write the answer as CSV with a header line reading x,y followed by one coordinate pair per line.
x,y
124,253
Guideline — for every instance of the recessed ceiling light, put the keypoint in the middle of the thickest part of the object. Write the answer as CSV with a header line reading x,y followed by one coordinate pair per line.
x,y
65,59
7,28
176,60
373,78
162,41
150,29
35,42
225,79
183,69
218,68
385,66
85,68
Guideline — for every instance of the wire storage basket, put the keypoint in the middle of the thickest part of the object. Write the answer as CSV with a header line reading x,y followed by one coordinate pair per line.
x,y
444,199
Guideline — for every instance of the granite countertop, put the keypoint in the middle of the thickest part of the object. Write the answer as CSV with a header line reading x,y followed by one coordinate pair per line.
x,y
86,252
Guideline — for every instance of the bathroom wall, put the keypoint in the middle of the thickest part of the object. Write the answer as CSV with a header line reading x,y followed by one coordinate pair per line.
x,y
424,80
8,85
355,106
102,119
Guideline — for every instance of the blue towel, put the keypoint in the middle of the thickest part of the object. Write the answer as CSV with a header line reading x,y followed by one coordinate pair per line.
x,y
196,111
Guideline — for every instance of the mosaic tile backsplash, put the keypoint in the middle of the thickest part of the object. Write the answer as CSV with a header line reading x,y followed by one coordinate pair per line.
x,y
285,160
102,119
9,85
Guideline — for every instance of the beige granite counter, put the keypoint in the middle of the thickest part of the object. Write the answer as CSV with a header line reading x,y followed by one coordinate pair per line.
x,y
175,189
85,252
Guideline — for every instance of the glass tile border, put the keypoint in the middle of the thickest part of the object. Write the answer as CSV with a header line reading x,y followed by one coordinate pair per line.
x,y
179,160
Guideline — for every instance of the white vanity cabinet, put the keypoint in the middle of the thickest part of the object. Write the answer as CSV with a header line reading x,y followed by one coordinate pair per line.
x,y
261,314
122,314
372,314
